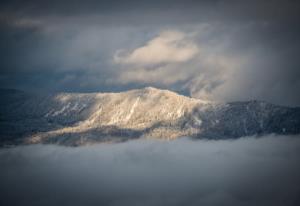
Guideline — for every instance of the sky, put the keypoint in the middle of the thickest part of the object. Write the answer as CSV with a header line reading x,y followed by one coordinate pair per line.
x,y
243,172
217,50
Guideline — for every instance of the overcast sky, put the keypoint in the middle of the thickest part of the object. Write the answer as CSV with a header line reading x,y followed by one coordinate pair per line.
x,y
219,50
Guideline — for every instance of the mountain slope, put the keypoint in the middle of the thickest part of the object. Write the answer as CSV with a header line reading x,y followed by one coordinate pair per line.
x,y
80,119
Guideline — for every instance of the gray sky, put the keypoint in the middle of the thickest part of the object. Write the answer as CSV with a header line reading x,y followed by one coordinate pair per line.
x,y
218,50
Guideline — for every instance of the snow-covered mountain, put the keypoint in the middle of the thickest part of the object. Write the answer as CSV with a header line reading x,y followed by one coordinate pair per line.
x,y
86,118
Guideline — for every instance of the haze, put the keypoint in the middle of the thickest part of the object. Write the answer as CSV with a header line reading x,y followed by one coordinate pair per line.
x,y
248,171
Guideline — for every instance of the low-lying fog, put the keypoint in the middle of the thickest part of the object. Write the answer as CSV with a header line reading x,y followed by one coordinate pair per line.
x,y
249,171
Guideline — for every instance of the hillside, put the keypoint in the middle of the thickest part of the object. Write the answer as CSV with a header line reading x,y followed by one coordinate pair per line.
x,y
86,118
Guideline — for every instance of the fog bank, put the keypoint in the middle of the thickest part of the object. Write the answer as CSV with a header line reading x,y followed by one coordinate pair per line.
x,y
248,171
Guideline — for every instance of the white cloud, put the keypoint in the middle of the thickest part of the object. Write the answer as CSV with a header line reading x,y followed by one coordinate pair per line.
x,y
166,75
164,60
167,47
174,57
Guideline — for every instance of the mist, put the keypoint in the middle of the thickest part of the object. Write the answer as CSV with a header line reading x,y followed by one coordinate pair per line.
x,y
226,51
247,171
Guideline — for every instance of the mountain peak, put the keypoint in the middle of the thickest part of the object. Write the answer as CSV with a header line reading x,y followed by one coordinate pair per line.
x,y
79,118
152,90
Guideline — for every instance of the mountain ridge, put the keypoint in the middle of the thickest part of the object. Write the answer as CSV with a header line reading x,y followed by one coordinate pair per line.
x,y
75,119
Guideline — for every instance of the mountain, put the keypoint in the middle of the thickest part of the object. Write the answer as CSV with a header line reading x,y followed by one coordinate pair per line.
x,y
75,119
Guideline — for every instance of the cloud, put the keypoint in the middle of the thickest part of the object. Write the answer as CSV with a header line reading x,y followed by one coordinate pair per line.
x,y
139,12
167,47
177,57
248,171
160,61
219,50
161,75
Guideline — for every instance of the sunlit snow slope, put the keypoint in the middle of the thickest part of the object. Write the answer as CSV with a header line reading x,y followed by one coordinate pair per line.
x,y
80,119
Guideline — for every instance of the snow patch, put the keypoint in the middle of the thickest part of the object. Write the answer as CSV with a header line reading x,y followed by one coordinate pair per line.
x,y
127,118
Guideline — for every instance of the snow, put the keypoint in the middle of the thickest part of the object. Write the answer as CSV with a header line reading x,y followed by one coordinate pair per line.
x,y
157,113
127,118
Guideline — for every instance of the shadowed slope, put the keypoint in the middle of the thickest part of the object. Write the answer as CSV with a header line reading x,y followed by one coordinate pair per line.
x,y
80,119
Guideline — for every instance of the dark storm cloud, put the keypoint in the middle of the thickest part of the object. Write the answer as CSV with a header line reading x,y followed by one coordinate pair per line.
x,y
70,45
247,171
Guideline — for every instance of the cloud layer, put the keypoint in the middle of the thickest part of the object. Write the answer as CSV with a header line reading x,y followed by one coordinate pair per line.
x,y
218,50
248,171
